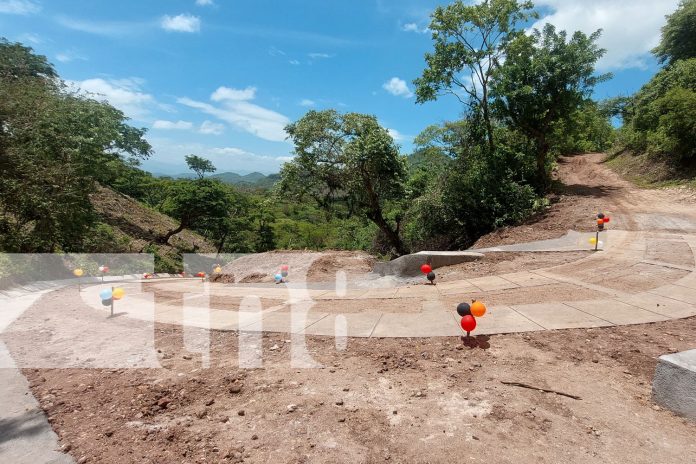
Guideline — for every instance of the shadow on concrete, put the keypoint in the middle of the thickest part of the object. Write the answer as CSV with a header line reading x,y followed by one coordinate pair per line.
x,y
27,425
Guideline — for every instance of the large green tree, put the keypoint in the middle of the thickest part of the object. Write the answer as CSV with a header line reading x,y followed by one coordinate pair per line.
x,y
469,44
679,34
347,161
200,165
546,77
54,146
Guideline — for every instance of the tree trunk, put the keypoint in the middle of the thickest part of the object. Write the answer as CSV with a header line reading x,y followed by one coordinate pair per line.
x,y
487,119
169,234
393,236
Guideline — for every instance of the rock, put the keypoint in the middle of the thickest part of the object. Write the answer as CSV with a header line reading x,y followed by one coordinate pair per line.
x,y
339,403
254,437
292,408
275,348
235,388
163,402
342,419
210,402
187,357
241,412
656,408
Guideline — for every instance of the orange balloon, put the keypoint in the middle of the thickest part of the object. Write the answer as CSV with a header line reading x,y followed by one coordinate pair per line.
x,y
600,221
478,309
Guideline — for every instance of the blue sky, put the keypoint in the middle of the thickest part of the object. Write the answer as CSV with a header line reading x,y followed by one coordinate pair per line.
x,y
220,78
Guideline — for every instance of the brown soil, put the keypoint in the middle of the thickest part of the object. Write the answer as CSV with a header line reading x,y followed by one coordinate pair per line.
x,y
429,400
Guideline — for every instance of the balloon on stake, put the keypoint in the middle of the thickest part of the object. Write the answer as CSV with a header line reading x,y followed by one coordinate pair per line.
x,y
468,324
431,277
426,269
278,278
463,309
478,309
118,293
78,273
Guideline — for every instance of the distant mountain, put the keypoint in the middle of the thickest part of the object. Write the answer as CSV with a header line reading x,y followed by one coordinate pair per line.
x,y
252,180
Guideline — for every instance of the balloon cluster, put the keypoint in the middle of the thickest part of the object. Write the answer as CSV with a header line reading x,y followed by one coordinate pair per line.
x,y
217,269
78,272
427,269
109,295
283,274
601,220
469,313
201,275
147,275
104,269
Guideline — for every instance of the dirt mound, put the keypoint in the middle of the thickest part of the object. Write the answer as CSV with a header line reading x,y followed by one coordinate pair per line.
x,y
303,266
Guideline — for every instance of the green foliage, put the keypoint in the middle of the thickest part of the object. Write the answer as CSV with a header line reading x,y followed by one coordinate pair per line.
x,y
349,165
545,78
660,117
469,40
679,34
588,129
199,165
54,145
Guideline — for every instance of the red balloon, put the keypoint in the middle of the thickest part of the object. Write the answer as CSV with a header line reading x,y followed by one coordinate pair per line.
x,y
606,219
468,323
426,268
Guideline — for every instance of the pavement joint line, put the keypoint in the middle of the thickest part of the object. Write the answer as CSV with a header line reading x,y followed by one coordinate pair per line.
x,y
375,326
310,325
669,265
670,297
570,280
530,320
638,307
570,305
516,285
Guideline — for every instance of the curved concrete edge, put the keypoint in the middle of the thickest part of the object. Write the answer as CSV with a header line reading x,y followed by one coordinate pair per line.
x,y
409,265
674,385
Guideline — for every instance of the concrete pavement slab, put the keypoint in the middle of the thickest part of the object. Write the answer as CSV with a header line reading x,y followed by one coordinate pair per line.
x,y
352,325
425,324
676,292
660,305
559,316
491,283
617,312
504,319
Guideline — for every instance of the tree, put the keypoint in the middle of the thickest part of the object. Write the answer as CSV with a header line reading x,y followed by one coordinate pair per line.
x,y
54,146
347,160
544,79
678,35
191,202
199,165
471,38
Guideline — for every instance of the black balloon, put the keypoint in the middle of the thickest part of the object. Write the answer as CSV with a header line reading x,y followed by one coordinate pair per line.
x,y
431,276
600,216
463,309
106,302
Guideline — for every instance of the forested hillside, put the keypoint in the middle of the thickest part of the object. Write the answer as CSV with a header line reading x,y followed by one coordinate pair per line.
x,y
657,142
70,176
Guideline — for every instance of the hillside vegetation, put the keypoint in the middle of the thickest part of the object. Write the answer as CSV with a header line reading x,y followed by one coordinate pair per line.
x,y
657,143
348,185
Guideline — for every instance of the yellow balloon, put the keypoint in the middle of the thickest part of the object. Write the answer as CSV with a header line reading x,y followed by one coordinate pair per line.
x,y
78,272
118,293
593,240
218,270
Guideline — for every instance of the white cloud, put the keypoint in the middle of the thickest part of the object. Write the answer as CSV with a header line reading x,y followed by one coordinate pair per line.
x,y
307,102
294,62
169,157
397,87
205,2
413,27
236,109
70,55
31,38
226,93
631,28
172,125
318,56
19,7
181,23
124,94
211,128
